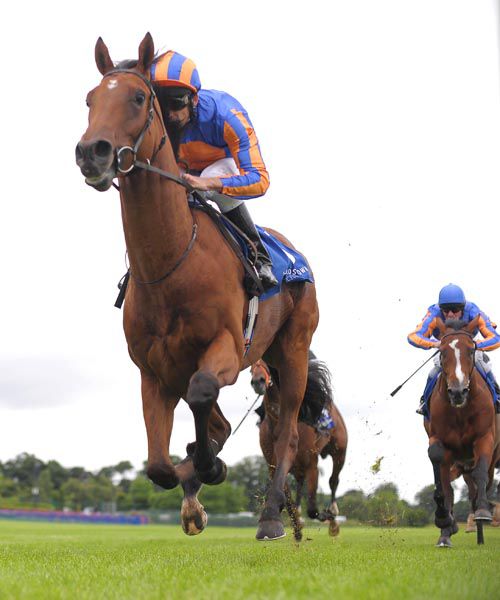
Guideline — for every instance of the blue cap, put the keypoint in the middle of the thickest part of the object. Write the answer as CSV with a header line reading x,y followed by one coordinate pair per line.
x,y
451,294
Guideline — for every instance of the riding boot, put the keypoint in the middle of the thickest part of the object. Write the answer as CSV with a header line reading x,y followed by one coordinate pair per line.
x,y
242,219
421,408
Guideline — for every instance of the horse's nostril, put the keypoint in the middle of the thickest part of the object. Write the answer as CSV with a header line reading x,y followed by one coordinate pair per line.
x,y
102,149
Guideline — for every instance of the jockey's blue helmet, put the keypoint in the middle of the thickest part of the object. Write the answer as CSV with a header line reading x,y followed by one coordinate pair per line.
x,y
451,294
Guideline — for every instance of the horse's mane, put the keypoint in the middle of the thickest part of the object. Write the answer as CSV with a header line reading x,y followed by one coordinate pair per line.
x,y
455,324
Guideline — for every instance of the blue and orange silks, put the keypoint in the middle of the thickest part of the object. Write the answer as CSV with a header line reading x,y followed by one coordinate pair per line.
x,y
427,333
222,129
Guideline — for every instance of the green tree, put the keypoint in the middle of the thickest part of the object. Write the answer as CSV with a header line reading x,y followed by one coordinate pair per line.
x,y
141,490
425,499
353,505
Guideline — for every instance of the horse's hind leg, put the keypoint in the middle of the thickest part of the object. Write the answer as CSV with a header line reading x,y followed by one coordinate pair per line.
x,y
158,409
219,366
290,354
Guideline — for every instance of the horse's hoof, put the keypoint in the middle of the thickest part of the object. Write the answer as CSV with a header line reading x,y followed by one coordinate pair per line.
x,y
444,542
483,514
471,526
217,474
333,528
193,518
270,530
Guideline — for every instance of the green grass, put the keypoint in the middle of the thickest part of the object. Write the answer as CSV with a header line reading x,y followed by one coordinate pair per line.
x,y
40,560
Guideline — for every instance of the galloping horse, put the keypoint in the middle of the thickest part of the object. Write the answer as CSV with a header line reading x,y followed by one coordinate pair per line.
x,y
312,443
463,437
186,305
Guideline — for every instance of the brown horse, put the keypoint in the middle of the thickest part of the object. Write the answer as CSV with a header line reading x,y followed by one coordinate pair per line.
x,y
312,443
186,305
462,433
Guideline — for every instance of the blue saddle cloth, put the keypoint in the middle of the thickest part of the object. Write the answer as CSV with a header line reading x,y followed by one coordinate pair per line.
x,y
288,264
431,384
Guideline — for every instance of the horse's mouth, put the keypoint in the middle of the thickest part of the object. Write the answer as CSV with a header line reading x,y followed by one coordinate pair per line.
x,y
103,181
258,387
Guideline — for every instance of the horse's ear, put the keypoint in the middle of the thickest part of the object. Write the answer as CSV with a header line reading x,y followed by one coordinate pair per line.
x,y
146,54
102,58
472,325
440,325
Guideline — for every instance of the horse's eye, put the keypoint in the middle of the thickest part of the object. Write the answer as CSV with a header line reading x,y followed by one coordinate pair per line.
x,y
139,98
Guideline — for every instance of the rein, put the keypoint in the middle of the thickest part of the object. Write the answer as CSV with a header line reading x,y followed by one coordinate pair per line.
x,y
255,287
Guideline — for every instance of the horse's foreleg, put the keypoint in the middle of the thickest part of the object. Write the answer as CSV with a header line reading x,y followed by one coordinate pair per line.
x,y
312,488
483,453
158,409
436,454
443,494
219,366
338,458
193,515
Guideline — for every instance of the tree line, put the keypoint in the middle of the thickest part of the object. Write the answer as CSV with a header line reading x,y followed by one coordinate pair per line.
x,y
28,482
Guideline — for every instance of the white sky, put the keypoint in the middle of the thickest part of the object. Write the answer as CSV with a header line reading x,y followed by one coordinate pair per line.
x,y
380,126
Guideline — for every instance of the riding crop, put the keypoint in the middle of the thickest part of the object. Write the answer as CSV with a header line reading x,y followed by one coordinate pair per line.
x,y
393,393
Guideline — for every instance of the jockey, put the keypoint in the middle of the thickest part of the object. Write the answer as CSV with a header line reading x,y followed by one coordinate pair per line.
x,y
212,136
452,305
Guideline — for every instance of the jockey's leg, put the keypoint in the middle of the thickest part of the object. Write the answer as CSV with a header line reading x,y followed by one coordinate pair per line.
x,y
427,392
483,360
236,211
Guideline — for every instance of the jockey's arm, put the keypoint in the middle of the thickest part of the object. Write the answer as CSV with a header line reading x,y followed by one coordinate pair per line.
x,y
253,179
421,337
204,183
488,330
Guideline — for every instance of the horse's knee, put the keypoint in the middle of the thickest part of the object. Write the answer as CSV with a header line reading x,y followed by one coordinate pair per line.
x,y
163,475
203,391
436,452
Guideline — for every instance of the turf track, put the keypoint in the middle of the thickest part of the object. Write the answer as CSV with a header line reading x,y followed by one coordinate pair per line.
x,y
39,560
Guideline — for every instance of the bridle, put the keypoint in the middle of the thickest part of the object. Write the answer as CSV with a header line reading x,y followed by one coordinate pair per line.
x,y
471,337
267,374
147,166
120,152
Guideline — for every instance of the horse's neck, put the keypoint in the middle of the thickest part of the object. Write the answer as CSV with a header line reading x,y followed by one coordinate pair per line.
x,y
156,220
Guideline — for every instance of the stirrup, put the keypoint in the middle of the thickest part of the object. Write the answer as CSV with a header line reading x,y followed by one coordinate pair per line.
x,y
420,410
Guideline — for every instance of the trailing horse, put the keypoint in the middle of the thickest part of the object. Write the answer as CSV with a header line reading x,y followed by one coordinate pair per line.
x,y
464,438
186,305
315,438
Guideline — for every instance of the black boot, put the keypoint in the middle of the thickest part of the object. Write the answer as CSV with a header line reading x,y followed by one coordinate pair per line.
x,y
242,219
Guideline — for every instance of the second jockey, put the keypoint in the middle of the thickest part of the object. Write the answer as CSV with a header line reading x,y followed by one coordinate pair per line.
x,y
453,305
214,141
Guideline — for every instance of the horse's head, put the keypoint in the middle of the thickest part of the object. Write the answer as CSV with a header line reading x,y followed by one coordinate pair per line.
x,y
457,348
261,377
121,118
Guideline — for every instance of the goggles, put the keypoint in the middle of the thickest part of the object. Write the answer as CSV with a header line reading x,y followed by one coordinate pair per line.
x,y
454,308
176,103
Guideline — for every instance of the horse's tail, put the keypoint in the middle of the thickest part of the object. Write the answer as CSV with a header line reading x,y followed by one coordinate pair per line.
x,y
318,394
